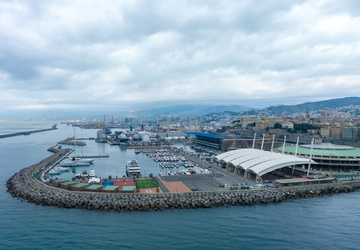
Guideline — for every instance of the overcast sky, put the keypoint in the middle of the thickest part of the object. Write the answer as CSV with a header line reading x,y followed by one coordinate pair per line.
x,y
129,55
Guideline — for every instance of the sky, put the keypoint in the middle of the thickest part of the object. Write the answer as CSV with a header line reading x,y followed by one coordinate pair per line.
x,y
130,55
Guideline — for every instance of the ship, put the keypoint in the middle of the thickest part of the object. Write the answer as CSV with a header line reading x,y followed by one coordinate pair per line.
x,y
133,169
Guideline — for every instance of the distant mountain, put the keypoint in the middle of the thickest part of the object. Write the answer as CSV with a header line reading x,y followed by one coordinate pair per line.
x,y
178,110
175,111
313,106
226,109
188,110
184,110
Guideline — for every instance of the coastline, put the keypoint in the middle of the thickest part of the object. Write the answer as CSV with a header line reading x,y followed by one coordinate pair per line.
x,y
25,185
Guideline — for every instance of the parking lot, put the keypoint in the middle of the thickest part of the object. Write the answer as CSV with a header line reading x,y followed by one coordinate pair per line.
x,y
219,180
199,182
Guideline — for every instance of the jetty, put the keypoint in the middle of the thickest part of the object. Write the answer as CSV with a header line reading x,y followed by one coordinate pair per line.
x,y
72,141
28,132
93,156
143,147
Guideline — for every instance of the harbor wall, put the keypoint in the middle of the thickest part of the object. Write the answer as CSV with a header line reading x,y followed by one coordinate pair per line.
x,y
25,184
28,132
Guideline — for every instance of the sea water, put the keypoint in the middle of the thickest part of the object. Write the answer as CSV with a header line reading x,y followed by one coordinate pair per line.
x,y
329,222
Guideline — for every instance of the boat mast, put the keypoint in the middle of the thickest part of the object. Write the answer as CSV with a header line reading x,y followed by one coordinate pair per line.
x,y
74,142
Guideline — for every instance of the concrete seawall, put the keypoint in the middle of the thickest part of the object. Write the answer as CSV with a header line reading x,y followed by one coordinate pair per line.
x,y
24,185
28,132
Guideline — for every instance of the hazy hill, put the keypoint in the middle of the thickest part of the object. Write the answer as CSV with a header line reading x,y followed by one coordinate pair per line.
x,y
182,110
314,106
188,110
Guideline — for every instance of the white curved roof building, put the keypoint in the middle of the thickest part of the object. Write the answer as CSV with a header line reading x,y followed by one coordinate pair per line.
x,y
259,162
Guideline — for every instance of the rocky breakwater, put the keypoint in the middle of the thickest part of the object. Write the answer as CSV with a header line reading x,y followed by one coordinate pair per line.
x,y
319,190
23,184
72,141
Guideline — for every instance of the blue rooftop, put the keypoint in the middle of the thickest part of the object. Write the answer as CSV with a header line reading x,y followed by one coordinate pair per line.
x,y
210,135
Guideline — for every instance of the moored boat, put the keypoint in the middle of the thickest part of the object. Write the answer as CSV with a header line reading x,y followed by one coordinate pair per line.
x,y
74,163
133,169
58,170
86,174
92,173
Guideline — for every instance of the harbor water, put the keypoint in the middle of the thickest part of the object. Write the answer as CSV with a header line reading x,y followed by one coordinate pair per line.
x,y
330,222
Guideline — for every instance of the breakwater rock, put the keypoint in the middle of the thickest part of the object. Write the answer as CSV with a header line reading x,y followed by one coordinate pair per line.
x,y
72,141
25,185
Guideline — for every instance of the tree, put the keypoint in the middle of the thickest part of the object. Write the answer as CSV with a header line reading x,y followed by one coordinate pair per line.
x,y
277,125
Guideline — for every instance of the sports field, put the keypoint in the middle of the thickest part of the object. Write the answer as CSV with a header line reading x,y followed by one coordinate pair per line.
x,y
150,183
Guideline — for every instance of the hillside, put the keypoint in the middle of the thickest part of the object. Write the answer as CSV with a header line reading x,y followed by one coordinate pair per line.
x,y
188,110
313,106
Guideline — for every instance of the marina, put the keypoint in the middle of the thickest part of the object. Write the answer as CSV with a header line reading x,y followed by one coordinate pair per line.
x,y
179,163
341,208
20,184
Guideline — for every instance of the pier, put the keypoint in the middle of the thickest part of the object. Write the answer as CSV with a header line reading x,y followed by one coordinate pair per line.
x,y
72,141
143,147
28,132
93,156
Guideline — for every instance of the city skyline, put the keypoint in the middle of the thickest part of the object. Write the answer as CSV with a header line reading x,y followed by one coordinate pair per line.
x,y
134,55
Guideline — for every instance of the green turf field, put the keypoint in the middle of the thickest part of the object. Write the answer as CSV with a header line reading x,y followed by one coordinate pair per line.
x,y
150,183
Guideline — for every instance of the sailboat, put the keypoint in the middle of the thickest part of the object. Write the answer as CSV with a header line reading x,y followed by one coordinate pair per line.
x,y
73,161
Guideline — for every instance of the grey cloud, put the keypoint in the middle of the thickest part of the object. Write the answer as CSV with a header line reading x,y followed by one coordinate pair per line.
x,y
161,51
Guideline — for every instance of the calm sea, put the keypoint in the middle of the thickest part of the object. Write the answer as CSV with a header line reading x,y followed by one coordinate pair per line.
x,y
331,222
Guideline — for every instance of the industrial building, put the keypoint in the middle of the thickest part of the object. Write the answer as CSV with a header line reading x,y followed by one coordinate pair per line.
x,y
225,143
209,140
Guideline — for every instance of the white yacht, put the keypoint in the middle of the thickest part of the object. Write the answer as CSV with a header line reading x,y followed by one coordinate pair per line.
x,y
73,158
74,162
58,170
86,174
92,173
133,169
